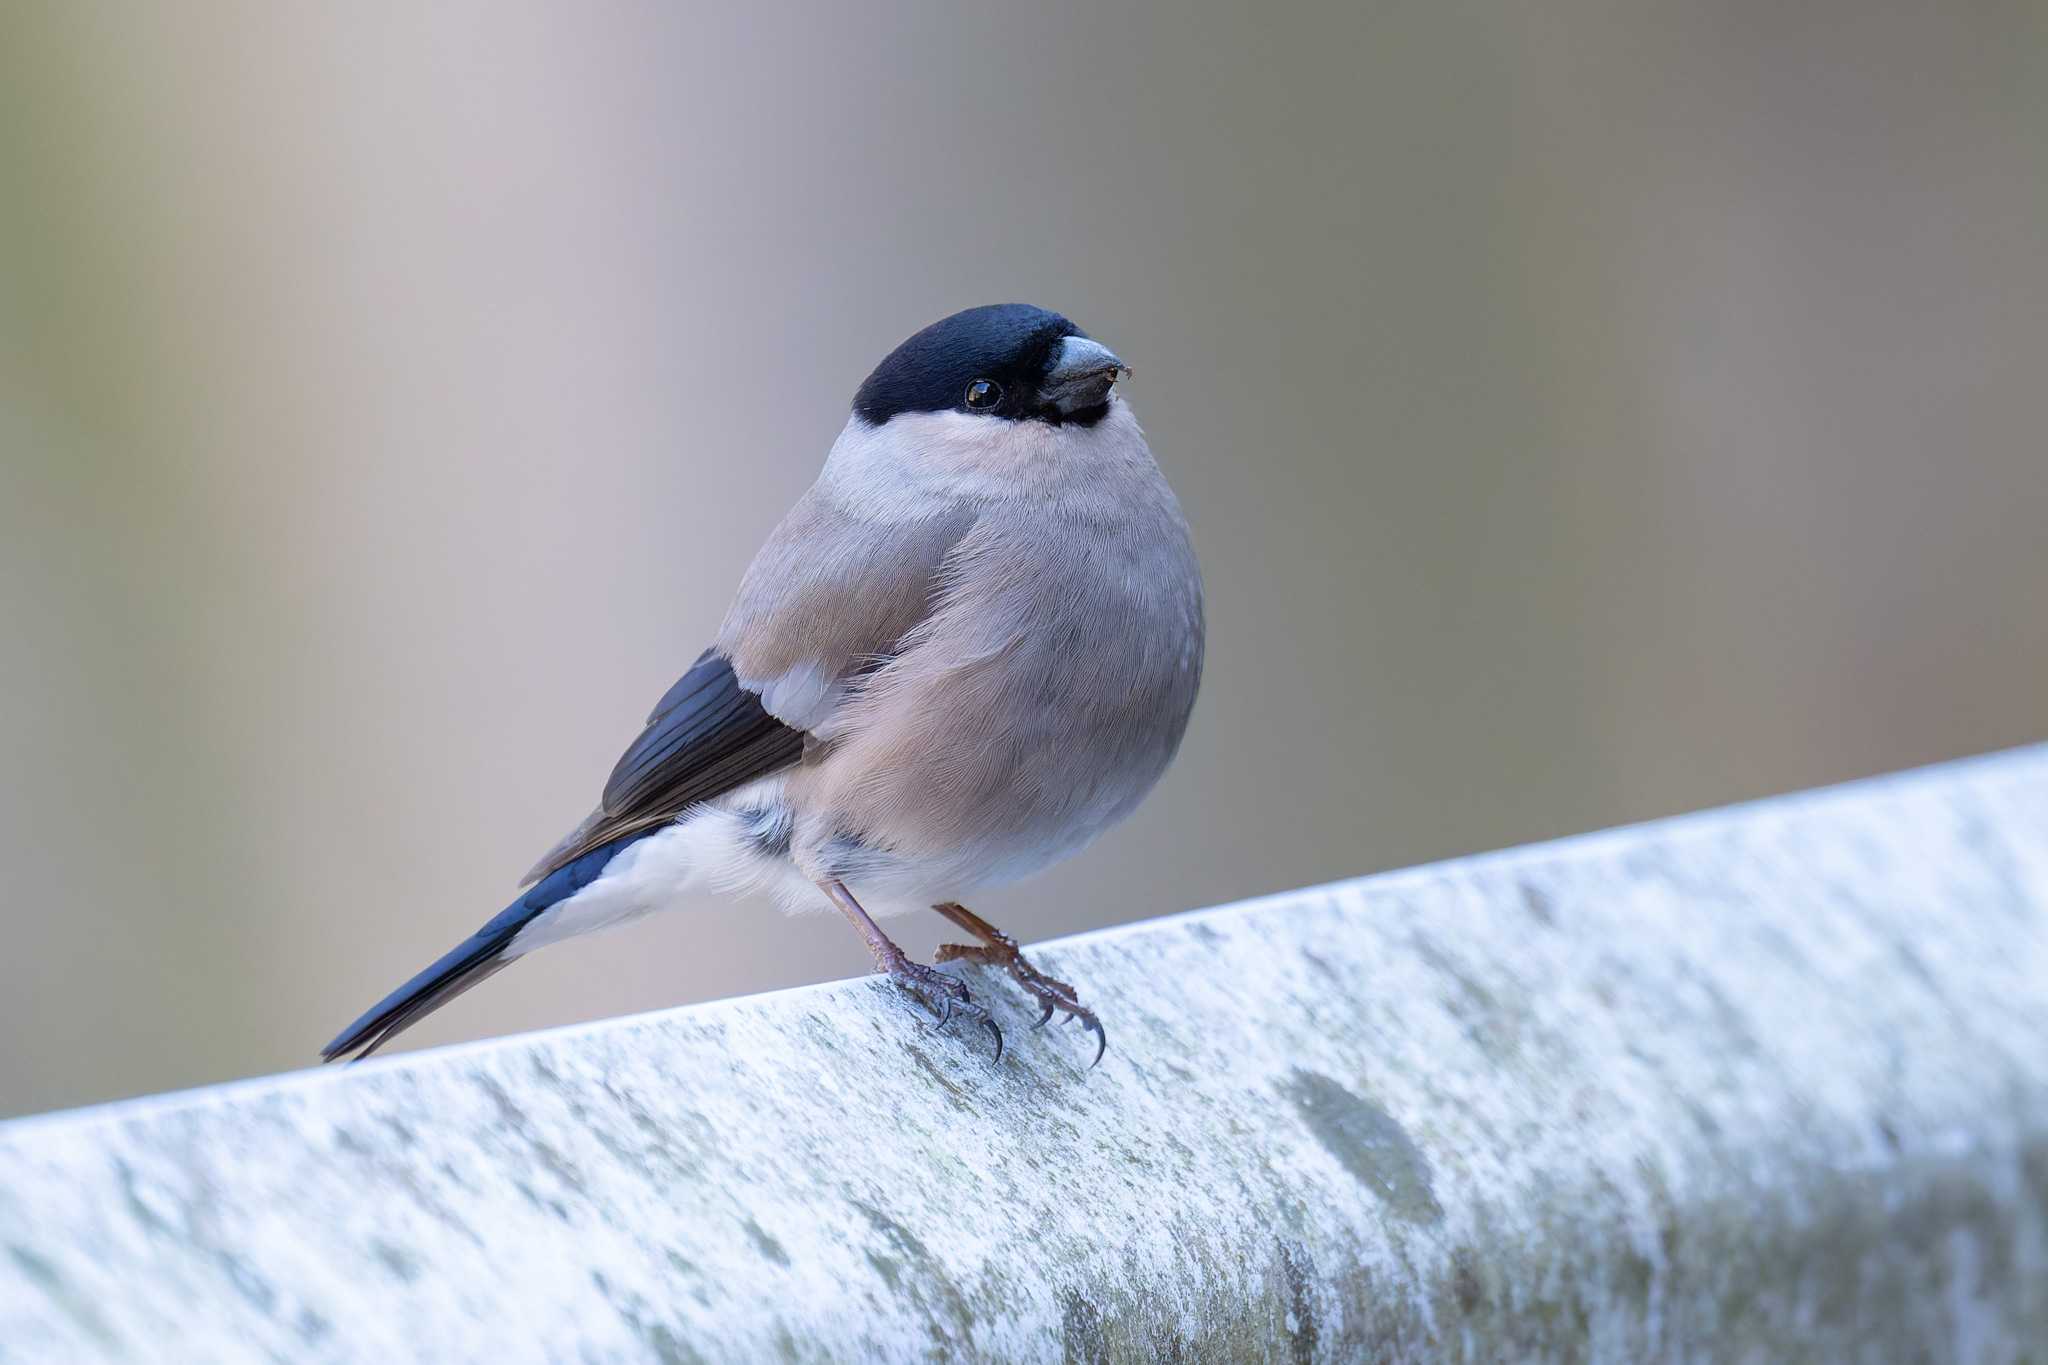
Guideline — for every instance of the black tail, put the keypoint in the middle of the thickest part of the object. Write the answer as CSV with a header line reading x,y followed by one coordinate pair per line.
x,y
470,961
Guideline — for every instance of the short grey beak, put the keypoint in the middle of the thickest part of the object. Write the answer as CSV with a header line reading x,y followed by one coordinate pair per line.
x,y
1081,375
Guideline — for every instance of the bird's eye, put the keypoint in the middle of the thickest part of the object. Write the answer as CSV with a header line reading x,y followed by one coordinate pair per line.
x,y
983,394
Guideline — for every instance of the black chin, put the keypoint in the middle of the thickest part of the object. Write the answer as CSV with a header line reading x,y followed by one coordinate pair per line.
x,y
1078,417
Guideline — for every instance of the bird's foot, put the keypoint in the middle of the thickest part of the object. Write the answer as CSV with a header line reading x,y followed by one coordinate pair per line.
x,y
998,949
944,995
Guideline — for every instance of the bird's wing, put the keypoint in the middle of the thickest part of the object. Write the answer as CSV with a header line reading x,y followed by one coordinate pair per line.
x,y
831,597
825,601
706,736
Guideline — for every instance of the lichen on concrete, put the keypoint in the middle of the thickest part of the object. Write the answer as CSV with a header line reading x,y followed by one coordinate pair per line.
x,y
1765,1084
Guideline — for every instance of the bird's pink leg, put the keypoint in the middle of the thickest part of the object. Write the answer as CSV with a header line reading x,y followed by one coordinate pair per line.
x,y
944,995
998,949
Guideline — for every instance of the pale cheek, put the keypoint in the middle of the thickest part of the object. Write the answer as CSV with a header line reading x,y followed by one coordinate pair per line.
x,y
916,457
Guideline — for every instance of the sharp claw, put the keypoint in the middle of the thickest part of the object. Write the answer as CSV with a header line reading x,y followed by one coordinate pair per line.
x,y
1053,997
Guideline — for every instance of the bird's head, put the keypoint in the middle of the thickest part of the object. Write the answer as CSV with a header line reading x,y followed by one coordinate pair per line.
x,y
1006,362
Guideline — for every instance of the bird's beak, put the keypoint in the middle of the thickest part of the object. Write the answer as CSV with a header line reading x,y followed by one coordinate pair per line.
x,y
1081,375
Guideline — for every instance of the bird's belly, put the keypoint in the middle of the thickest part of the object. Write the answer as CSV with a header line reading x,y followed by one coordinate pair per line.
x,y
1024,717
986,788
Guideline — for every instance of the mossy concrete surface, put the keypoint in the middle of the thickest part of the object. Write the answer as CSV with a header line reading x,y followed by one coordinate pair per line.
x,y
1767,1084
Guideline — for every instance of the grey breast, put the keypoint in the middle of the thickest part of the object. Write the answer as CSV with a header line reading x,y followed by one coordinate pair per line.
x,y
1040,699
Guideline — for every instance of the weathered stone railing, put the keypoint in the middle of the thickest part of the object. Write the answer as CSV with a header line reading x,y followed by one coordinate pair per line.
x,y
1765,1084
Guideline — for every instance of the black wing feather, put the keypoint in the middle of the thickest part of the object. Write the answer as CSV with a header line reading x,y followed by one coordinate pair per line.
x,y
706,736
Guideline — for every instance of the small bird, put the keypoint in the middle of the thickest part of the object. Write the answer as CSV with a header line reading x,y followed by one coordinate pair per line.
x,y
969,649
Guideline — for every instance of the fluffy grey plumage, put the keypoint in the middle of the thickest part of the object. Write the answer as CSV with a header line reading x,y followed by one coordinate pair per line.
x,y
969,649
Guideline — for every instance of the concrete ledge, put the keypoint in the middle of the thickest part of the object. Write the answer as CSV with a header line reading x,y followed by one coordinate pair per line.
x,y
1769,1083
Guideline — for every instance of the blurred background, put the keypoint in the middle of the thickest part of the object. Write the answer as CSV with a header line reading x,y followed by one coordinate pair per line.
x,y
1587,411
